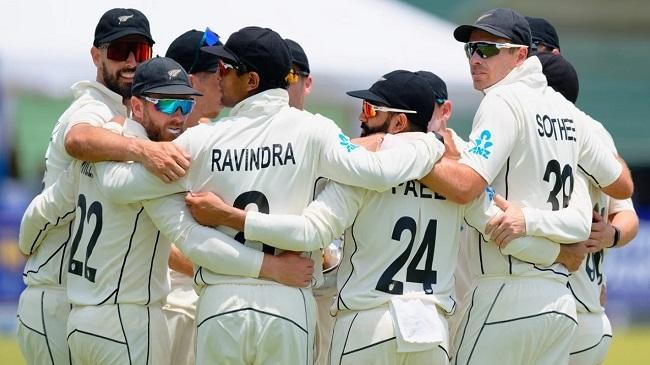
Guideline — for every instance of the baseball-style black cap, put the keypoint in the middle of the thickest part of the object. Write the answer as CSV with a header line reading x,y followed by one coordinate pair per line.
x,y
560,75
501,22
298,56
439,87
258,49
543,32
401,89
161,75
186,50
118,23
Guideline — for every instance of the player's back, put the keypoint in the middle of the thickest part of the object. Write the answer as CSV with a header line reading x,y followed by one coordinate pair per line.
x,y
403,241
117,255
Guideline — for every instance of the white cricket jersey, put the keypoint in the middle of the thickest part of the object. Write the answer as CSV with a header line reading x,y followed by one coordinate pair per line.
x,y
94,104
117,255
527,142
586,283
265,156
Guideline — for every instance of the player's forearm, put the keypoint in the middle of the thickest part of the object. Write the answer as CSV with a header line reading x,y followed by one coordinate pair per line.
x,y
627,223
457,182
623,187
179,263
287,232
536,250
89,143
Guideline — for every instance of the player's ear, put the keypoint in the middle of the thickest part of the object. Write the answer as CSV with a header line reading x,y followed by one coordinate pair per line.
x,y
308,83
137,107
253,81
398,123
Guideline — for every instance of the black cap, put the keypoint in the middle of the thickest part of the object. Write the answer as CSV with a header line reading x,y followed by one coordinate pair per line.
x,y
439,87
501,22
118,23
259,49
298,56
543,32
161,75
401,90
560,75
186,50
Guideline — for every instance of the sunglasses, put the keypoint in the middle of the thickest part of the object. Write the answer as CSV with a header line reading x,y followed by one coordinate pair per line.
x,y
488,49
120,50
370,111
224,67
169,106
209,38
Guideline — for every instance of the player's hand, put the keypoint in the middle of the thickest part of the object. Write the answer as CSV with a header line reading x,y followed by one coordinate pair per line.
x,y
451,151
571,256
207,208
371,142
164,159
288,268
507,226
602,234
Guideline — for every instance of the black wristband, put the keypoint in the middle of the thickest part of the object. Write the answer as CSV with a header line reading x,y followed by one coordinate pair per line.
x,y
617,236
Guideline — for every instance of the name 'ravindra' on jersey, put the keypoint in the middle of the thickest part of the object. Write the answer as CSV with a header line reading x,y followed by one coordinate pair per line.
x,y
249,159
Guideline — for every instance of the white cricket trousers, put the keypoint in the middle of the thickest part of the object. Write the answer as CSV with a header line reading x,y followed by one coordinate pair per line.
x,y
515,321
42,318
255,324
118,334
591,340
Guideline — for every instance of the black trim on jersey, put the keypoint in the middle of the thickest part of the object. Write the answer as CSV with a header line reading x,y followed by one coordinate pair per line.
x,y
196,274
304,307
480,252
201,275
506,177
446,352
547,269
108,297
126,340
590,175
94,335
591,347
469,316
368,346
533,316
148,335
58,219
153,256
509,263
29,328
47,342
453,307
313,190
354,240
568,285
63,246
126,256
346,337
254,310
478,336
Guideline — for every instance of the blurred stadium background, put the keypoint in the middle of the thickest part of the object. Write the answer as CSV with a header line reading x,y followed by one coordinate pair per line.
x,y
608,43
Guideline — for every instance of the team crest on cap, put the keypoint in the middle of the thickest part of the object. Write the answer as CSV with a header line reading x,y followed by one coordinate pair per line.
x,y
124,18
173,73
483,17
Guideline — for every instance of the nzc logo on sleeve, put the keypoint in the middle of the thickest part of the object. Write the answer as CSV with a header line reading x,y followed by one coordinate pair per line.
x,y
482,145
345,142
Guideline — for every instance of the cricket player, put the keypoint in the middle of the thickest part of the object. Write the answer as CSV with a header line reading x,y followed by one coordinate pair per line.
x,y
117,270
265,155
122,41
522,132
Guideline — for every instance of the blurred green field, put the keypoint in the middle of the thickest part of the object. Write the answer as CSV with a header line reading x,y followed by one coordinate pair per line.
x,y
630,347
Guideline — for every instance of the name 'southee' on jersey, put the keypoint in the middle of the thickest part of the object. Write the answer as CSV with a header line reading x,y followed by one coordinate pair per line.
x,y
562,129
249,159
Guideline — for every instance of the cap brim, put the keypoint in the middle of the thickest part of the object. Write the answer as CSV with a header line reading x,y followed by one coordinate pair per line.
x,y
172,90
367,95
221,52
125,33
463,32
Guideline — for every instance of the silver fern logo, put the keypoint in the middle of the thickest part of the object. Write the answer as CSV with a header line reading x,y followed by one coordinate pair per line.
x,y
124,18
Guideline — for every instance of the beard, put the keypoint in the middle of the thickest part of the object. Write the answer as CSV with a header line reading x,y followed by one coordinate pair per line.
x,y
112,82
366,130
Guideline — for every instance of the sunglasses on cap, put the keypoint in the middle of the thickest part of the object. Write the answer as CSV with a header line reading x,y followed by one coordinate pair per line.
x,y
169,106
488,49
209,38
121,49
370,111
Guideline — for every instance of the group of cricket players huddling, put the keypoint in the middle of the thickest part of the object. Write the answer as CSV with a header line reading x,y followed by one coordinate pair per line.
x,y
436,249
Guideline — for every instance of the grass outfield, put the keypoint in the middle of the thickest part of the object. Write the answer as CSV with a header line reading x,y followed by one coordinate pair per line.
x,y
630,347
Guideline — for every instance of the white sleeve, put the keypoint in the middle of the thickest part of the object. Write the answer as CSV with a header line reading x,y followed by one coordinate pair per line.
x,y
494,134
347,163
130,182
616,205
204,246
54,206
537,250
596,159
481,210
94,112
568,225
322,221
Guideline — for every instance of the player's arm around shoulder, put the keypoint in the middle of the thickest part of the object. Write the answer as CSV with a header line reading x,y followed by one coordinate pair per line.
x,y
54,206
